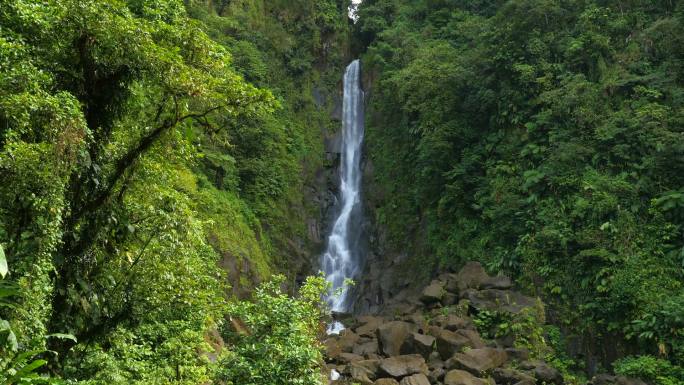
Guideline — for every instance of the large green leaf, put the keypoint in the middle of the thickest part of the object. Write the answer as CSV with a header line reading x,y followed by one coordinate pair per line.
x,y
62,336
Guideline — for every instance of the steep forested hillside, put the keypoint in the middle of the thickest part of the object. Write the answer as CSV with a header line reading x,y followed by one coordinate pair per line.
x,y
153,160
545,139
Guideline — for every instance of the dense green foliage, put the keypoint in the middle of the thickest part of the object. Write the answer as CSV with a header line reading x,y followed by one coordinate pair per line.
x,y
545,139
276,341
145,144
654,370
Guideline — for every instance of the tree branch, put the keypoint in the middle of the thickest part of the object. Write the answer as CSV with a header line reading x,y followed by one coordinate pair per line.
x,y
127,160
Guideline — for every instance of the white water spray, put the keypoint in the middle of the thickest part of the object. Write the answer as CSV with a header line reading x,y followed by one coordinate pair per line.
x,y
341,259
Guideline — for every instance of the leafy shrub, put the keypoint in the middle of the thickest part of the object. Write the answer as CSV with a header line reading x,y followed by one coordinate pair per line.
x,y
651,369
663,326
273,339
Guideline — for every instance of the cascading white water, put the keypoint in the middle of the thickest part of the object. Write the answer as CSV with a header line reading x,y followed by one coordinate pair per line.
x,y
341,259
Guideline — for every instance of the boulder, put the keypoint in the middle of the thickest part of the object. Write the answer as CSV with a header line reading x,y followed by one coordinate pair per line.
x,y
417,343
435,361
499,300
332,348
349,357
547,374
386,381
364,371
436,375
474,339
416,379
518,354
511,377
359,375
400,366
417,319
461,377
433,293
499,282
448,343
449,299
451,285
346,340
471,276
528,365
478,361
366,348
506,341
401,308
369,325
434,331
391,337
452,322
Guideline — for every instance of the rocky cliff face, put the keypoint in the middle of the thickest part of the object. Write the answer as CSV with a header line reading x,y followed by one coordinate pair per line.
x,y
444,335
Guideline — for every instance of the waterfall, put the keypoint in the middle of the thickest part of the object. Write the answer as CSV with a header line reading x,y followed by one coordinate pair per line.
x,y
341,259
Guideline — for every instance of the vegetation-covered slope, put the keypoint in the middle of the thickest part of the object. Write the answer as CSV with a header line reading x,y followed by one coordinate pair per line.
x,y
143,145
545,139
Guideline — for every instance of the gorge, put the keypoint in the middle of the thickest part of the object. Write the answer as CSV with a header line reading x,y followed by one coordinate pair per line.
x,y
503,180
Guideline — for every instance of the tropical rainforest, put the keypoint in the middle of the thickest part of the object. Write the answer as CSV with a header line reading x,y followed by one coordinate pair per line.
x,y
546,140
161,162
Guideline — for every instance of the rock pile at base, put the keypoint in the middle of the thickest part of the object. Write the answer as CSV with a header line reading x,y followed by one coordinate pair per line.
x,y
429,338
